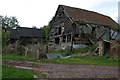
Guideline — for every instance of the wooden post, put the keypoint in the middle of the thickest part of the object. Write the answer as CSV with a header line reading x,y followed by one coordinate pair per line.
x,y
71,42
26,52
66,39
46,48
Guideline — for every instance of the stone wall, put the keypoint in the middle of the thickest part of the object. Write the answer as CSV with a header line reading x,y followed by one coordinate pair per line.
x,y
101,48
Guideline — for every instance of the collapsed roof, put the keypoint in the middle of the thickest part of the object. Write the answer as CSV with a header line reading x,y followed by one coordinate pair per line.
x,y
77,14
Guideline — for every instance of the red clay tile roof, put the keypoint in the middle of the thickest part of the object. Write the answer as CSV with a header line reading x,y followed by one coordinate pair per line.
x,y
89,16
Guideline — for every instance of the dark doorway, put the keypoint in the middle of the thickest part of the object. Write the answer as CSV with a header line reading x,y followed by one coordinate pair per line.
x,y
106,47
57,39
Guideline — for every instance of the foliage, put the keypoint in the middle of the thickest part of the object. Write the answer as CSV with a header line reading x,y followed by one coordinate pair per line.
x,y
7,22
59,51
21,49
12,72
1,69
65,52
46,30
17,57
42,51
14,49
0,38
37,51
34,27
88,59
84,50
113,59
11,22
5,38
68,51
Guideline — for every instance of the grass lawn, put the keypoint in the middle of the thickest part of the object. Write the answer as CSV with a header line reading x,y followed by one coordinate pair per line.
x,y
12,72
89,60
17,57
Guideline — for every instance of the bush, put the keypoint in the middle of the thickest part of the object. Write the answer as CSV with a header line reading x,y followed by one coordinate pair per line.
x,y
84,50
113,59
68,51
92,48
7,50
21,50
59,51
4,38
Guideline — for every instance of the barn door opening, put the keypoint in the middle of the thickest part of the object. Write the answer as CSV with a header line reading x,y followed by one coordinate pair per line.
x,y
106,48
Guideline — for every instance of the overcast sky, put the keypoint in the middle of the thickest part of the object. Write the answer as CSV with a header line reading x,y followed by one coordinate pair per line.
x,y
39,12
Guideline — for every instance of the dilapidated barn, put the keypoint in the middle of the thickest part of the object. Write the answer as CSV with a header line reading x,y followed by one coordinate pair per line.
x,y
74,26
26,35
78,26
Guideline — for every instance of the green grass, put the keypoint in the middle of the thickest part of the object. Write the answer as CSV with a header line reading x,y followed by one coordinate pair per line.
x,y
17,57
75,51
0,71
87,60
12,72
0,66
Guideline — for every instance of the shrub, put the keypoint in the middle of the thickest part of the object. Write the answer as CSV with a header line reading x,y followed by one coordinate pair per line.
x,y
84,50
11,49
21,50
67,51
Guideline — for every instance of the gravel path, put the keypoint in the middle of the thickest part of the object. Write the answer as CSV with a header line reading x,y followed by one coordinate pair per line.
x,y
54,70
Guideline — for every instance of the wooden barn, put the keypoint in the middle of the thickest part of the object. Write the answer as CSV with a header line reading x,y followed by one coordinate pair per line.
x,y
26,35
78,26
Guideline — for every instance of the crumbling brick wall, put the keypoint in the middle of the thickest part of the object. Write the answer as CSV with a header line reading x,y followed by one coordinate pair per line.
x,y
114,48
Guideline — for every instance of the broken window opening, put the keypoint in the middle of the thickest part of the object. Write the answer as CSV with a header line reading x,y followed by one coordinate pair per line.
x,y
77,35
64,39
93,30
57,40
59,31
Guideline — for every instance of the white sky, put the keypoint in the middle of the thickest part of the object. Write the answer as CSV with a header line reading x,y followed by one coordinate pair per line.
x,y
39,12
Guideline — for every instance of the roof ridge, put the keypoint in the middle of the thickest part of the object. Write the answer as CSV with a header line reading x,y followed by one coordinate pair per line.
x,y
85,10
29,28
